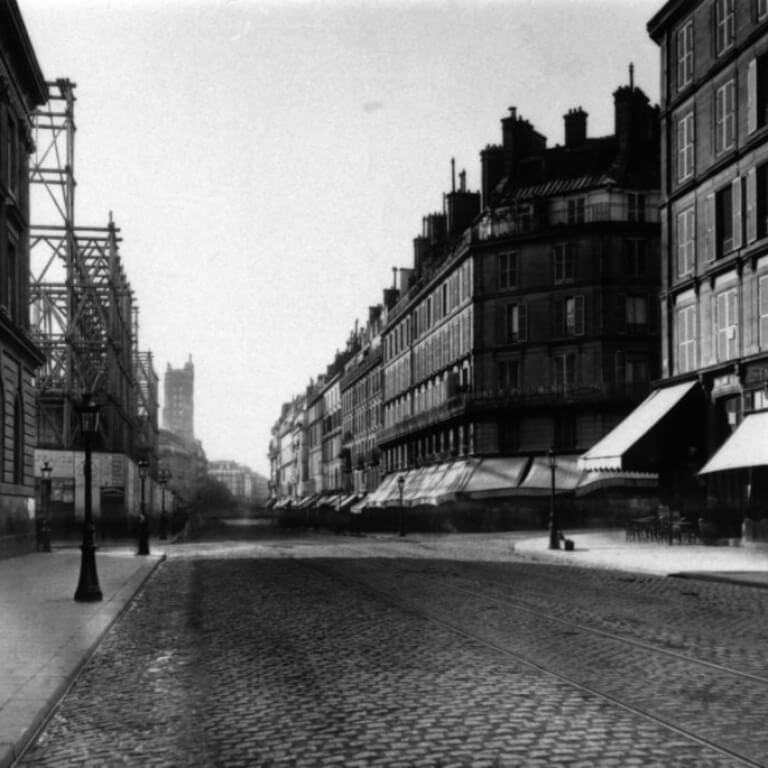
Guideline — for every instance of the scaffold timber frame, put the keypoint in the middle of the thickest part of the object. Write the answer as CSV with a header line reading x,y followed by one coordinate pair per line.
x,y
83,314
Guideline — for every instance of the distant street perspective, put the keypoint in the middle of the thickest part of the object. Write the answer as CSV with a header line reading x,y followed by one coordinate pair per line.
x,y
257,648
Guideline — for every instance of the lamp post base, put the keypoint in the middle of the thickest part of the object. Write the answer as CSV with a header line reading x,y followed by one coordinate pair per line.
x,y
554,539
88,590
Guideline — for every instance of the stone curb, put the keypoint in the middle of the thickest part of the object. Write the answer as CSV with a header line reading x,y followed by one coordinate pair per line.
x,y
29,711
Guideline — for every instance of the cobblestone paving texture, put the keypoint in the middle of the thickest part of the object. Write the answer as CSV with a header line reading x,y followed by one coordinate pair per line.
x,y
270,661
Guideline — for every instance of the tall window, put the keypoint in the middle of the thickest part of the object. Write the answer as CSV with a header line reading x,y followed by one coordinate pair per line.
x,y
508,374
763,308
565,370
725,116
637,261
18,439
760,212
727,219
635,206
571,321
637,314
516,322
576,210
727,324
762,9
686,245
685,127
565,262
12,284
686,339
12,155
757,93
507,270
684,39
724,25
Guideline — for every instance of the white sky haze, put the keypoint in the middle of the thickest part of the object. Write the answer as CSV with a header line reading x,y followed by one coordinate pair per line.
x,y
268,163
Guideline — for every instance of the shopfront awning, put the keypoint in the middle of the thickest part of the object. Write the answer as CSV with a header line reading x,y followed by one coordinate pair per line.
x,y
360,504
609,452
746,447
452,481
283,503
597,479
387,493
305,502
429,479
539,477
348,501
494,477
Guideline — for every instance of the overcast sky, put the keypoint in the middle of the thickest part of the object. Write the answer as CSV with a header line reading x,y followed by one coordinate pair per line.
x,y
268,163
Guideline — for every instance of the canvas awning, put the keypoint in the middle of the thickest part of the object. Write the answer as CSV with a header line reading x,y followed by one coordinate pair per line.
x,y
348,501
387,492
539,477
305,502
494,477
452,481
283,503
609,452
746,447
429,479
596,479
359,505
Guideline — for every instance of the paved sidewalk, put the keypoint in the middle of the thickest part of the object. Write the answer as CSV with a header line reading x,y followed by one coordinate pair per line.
x,y
608,549
46,637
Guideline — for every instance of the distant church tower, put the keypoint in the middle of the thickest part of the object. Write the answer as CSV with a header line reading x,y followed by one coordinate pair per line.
x,y
178,406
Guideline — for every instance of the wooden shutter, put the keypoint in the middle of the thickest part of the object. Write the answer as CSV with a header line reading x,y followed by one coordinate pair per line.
x,y
737,212
558,316
621,313
578,329
751,205
709,227
752,96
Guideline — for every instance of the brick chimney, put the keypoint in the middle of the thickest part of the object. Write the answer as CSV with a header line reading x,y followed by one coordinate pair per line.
x,y
575,127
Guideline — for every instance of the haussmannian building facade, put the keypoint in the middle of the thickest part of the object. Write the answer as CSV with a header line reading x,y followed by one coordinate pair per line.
x,y
714,257
529,321
22,89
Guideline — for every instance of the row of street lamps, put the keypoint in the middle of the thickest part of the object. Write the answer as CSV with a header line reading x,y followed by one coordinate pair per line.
x,y
88,589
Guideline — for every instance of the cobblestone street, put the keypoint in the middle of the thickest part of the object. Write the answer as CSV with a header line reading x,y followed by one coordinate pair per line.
x,y
361,653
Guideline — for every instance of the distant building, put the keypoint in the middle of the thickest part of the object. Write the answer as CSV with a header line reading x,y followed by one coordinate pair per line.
x,y
529,321
246,486
23,89
179,401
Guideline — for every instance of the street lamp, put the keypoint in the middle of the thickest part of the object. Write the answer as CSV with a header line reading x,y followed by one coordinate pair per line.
x,y
163,478
88,589
143,521
554,536
400,484
45,530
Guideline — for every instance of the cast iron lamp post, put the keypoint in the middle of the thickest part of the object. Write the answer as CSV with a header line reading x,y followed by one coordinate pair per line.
x,y
143,521
163,478
46,471
88,589
400,484
554,536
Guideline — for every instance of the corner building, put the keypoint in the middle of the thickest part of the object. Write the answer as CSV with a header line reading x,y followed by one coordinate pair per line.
x,y
529,320
714,126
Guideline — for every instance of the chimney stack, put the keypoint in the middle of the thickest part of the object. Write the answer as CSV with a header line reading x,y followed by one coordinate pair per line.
x,y
575,127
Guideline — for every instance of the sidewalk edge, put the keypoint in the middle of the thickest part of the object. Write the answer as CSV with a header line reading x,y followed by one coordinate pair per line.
x,y
12,753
